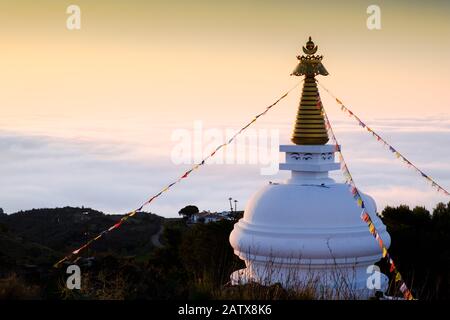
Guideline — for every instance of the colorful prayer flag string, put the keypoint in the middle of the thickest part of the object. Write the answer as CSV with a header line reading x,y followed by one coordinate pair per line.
x,y
165,189
397,154
364,214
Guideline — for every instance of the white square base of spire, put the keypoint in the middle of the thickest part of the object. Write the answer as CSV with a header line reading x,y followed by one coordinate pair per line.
x,y
309,167
309,158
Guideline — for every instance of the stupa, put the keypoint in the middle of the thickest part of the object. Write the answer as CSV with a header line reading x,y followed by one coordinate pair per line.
x,y
307,230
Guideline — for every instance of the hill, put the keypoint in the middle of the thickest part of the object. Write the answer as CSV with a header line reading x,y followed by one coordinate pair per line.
x,y
39,236
194,262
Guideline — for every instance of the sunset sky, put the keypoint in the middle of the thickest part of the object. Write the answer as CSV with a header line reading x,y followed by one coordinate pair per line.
x,y
86,116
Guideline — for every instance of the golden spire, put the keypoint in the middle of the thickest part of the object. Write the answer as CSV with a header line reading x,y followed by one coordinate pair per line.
x,y
310,124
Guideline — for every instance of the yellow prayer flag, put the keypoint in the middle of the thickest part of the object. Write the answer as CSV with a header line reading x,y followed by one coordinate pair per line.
x,y
359,202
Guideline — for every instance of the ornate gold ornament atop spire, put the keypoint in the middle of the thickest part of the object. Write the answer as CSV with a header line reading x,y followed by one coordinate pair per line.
x,y
310,123
310,48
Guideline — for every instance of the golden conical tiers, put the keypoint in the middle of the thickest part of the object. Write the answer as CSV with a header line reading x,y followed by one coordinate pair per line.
x,y
310,124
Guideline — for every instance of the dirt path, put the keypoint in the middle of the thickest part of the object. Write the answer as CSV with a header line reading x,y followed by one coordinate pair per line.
x,y
155,237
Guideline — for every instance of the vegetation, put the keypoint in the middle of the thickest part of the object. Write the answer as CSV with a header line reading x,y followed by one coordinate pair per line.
x,y
420,247
195,262
188,211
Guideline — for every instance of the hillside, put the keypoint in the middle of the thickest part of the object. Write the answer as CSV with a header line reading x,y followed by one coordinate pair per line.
x,y
194,262
40,236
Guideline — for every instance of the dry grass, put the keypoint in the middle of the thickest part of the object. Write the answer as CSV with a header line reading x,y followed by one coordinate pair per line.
x,y
15,288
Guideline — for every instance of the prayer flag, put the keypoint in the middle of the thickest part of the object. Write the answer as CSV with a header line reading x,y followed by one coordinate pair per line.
x,y
371,228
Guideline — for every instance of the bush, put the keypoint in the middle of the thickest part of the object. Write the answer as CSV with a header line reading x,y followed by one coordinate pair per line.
x,y
15,288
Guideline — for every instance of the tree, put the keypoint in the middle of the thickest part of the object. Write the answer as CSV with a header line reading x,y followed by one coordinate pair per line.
x,y
421,215
188,211
207,255
441,216
419,247
1,211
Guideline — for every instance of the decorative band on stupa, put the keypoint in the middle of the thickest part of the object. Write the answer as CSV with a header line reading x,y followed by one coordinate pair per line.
x,y
309,126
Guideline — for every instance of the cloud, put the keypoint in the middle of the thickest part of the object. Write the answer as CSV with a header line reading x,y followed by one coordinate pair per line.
x,y
41,171
45,171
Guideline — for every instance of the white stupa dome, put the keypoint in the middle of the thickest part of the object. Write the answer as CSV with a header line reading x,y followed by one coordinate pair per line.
x,y
323,221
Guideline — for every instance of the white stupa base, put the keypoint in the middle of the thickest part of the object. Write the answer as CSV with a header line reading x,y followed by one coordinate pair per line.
x,y
302,235
325,281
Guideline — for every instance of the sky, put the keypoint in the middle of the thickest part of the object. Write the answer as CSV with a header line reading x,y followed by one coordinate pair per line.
x,y
87,116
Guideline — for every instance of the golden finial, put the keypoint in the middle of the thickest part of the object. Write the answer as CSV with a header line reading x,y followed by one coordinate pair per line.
x,y
310,48
310,65
309,128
